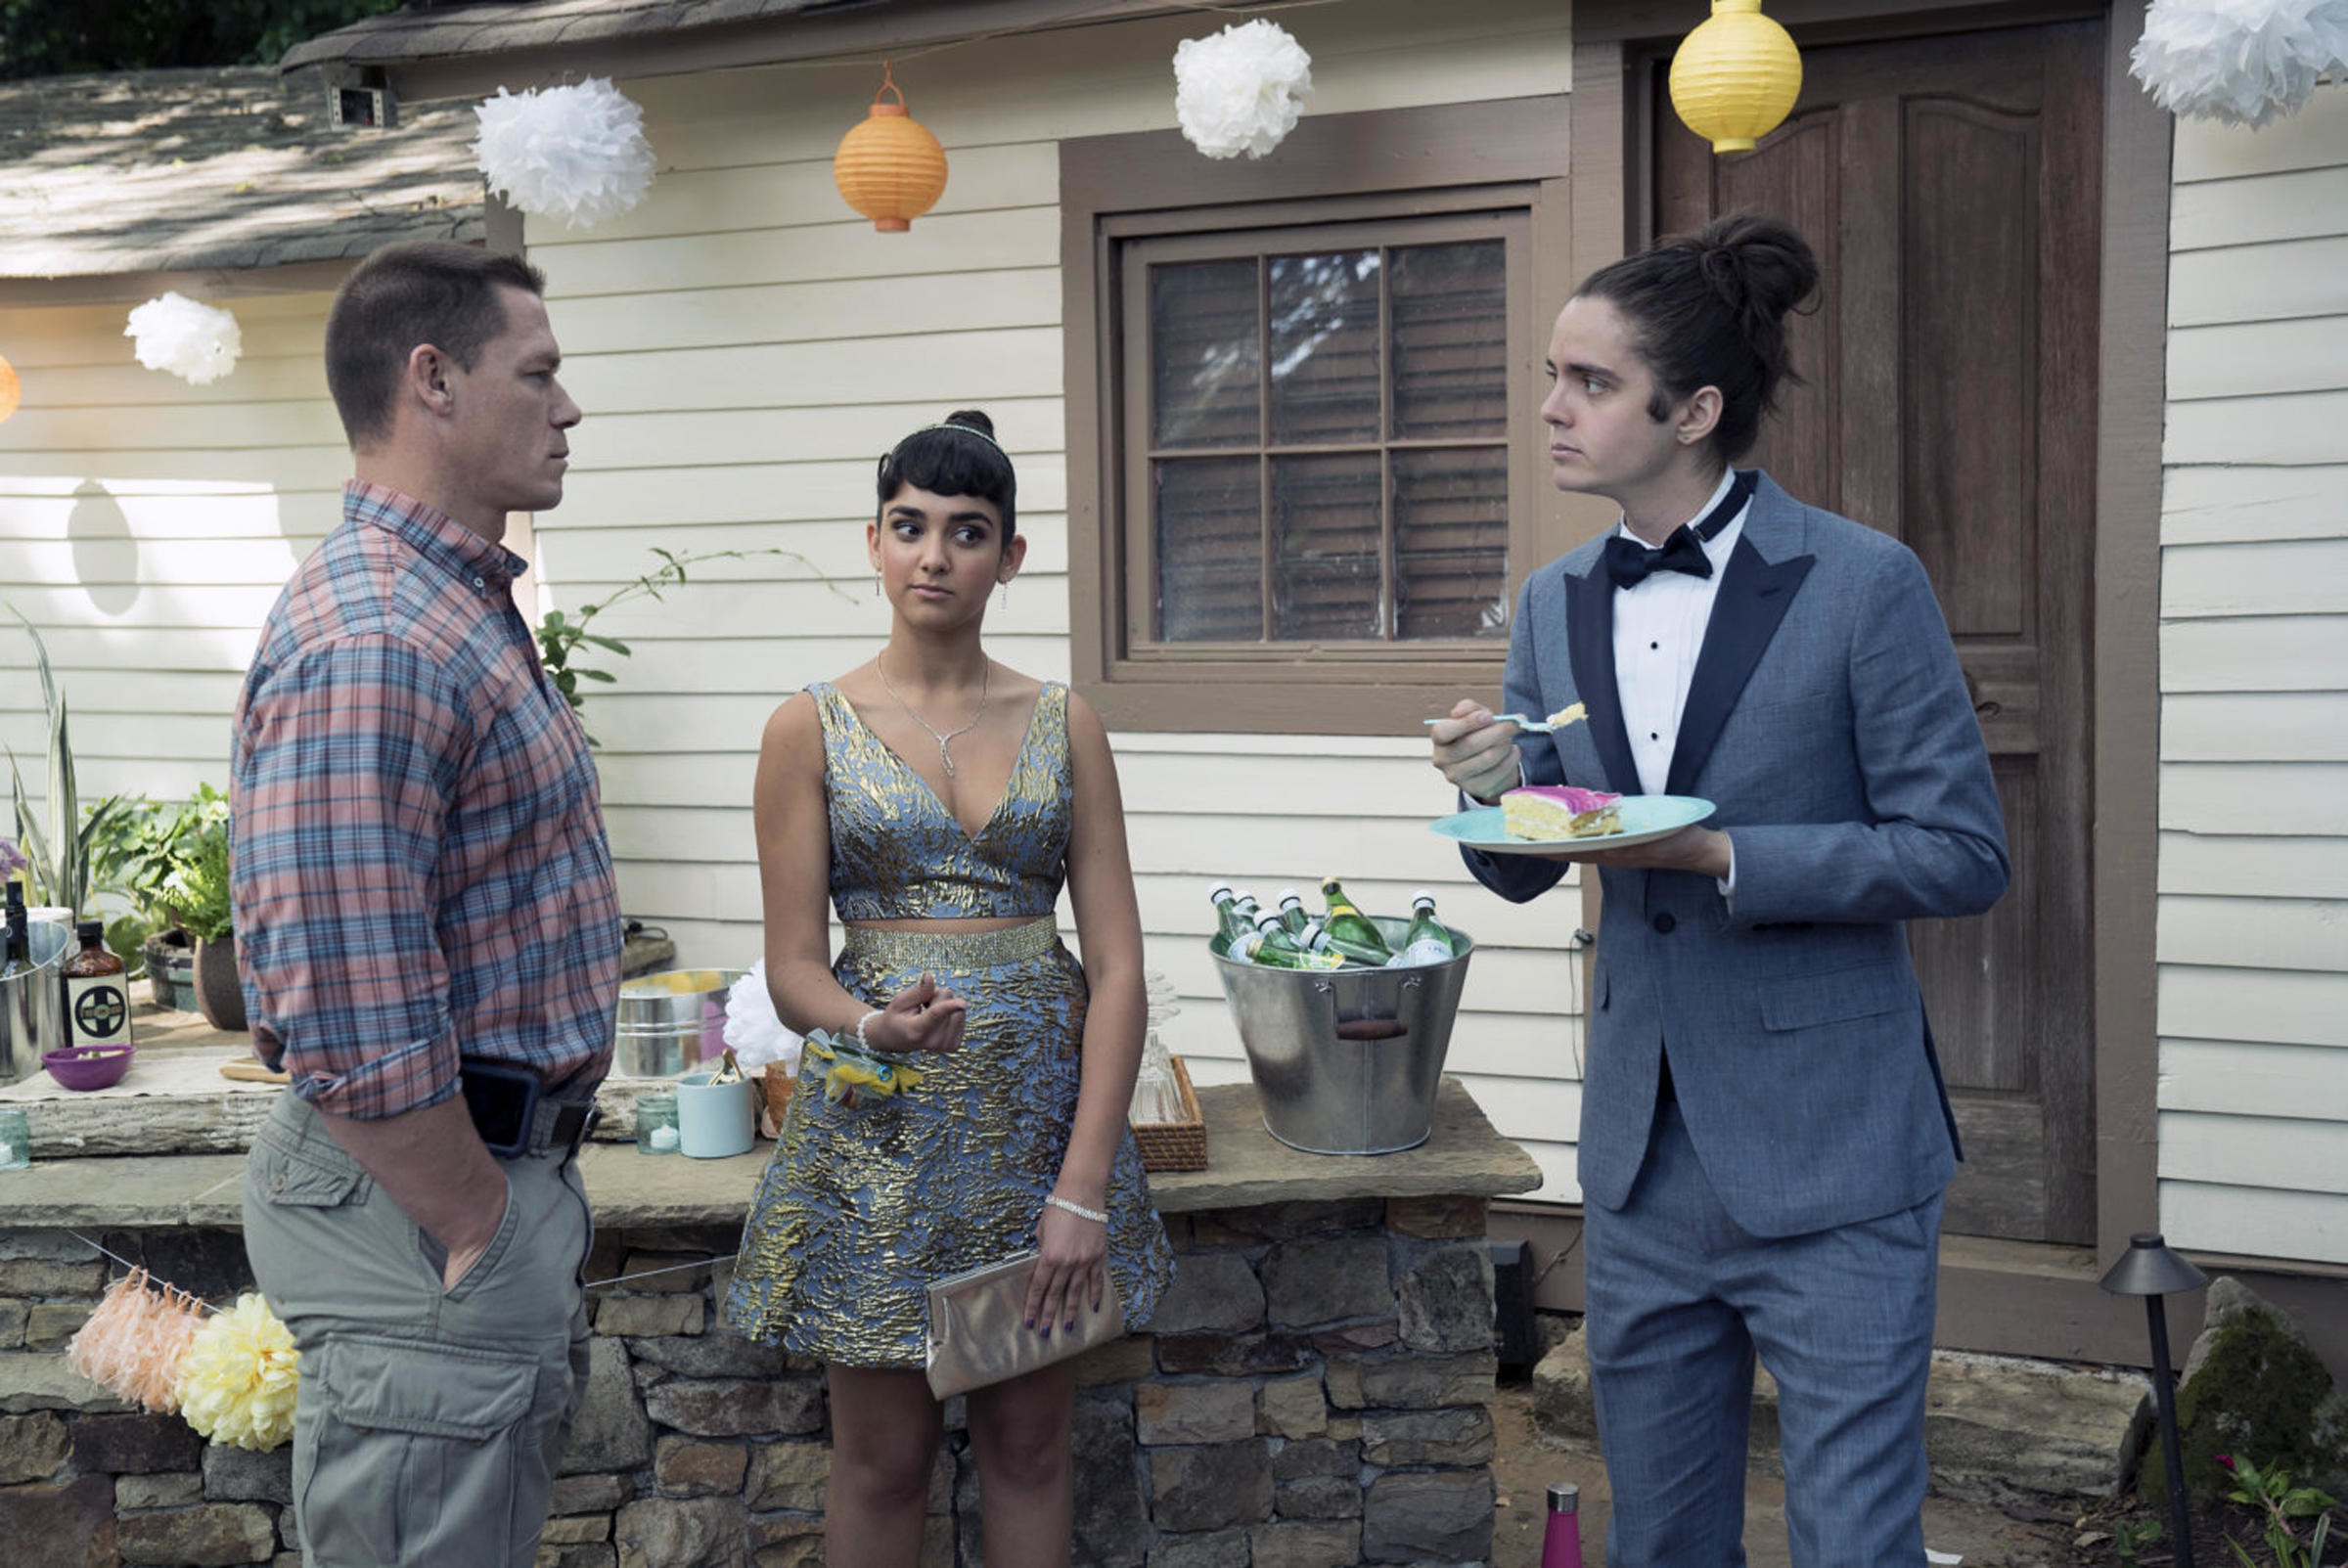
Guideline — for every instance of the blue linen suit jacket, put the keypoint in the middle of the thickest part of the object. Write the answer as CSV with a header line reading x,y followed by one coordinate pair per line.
x,y
1828,723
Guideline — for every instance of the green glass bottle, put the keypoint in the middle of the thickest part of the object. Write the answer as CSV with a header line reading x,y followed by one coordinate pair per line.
x,y
1291,910
1355,934
1277,949
1232,913
1429,940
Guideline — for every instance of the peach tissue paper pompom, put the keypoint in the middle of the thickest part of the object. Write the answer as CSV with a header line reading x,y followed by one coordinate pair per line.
x,y
196,342
2239,61
239,1381
1241,90
575,153
134,1340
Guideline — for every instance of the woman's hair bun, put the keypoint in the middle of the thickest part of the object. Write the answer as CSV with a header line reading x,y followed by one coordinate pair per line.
x,y
1756,263
971,419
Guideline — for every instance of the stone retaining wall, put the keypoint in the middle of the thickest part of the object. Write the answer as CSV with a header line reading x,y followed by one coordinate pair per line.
x,y
1312,1394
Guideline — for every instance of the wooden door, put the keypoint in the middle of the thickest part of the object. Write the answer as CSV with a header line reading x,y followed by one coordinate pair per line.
x,y
1951,186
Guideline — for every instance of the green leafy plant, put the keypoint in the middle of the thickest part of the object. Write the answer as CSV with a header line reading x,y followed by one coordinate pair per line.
x,y
57,850
2128,1536
561,636
197,886
2284,1509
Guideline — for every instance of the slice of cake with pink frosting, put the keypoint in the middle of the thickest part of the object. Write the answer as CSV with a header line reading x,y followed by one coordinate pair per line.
x,y
1546,812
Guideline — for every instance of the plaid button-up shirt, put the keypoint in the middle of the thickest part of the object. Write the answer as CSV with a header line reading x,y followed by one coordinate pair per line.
x,y
420,867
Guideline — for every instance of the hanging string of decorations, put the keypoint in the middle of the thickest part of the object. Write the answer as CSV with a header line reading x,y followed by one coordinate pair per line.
x,y
2239,61
577,152
1735,78
197,342
1241,90
889,167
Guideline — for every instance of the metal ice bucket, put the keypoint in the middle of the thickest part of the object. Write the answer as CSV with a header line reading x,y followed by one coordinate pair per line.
x,y
671,1022
32,1016
1347,1061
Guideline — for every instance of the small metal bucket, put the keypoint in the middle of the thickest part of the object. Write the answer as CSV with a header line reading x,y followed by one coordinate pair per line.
x,y
1347,1061
671,1022
32,1016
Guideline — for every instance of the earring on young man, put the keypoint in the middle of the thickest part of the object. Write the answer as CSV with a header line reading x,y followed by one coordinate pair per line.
x,y
1005,597
875,582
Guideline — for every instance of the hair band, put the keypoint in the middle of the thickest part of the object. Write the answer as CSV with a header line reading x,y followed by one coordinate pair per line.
x,y
948,425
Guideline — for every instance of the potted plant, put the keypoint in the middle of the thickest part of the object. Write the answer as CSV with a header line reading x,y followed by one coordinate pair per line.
x,y
196,890
137,858
57,852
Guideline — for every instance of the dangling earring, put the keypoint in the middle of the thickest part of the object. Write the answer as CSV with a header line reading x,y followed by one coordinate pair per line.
x,y
875,582
1005,585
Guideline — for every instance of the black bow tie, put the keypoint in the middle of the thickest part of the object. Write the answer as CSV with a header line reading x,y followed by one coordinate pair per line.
x,y
1630,563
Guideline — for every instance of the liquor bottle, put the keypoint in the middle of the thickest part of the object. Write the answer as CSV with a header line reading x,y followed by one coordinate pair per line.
x,y
1356,935
97,988
1561,1540
17,1038
1277,949
1429,940
1291,910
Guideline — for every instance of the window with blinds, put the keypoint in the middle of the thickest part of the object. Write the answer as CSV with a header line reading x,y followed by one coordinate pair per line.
x,y
1320,432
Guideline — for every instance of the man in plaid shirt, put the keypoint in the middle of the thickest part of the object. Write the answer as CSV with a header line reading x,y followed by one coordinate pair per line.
x,y
429,939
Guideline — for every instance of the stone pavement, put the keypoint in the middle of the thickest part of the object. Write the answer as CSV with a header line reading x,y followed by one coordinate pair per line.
x,y
2019,1448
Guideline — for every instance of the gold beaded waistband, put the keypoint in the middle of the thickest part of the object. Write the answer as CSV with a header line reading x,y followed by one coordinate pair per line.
x,y
953,950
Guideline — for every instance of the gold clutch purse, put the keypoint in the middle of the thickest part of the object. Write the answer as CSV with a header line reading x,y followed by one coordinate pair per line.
x,y
978,1331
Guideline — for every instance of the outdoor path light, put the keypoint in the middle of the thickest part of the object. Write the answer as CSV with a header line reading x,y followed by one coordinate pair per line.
x,y
2148,1269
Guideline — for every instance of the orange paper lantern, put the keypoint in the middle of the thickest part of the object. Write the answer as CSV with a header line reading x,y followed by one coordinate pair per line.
x,y
12,390
891,168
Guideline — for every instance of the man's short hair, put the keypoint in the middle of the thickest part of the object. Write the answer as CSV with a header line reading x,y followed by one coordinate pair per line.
x,y
416,292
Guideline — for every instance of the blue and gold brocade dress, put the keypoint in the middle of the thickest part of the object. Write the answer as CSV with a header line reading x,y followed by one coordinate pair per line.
x,y
860,1210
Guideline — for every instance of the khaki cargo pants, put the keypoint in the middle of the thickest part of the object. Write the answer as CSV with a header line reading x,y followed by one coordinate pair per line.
x,y
431,1422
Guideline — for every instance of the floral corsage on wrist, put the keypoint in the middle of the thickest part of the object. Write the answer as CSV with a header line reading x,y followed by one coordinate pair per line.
x,y
851,1072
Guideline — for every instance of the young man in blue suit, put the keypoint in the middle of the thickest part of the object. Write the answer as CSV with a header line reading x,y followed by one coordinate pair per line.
x,y
1765,1136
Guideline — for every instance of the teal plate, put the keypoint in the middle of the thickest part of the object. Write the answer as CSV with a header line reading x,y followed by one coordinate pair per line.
x,y
1644,818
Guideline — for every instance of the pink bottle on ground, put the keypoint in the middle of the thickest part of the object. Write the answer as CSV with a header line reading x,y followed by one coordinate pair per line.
x,y
1562,1544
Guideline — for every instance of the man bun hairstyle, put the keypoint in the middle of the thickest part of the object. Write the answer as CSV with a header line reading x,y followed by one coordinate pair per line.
x,y
417,292
1708,309
956,457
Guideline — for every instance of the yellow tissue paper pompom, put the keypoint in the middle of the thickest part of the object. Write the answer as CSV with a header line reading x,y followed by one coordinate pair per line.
x,y
239,1381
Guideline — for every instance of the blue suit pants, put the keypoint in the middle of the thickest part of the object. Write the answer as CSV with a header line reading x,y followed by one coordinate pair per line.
x,y
1681,1298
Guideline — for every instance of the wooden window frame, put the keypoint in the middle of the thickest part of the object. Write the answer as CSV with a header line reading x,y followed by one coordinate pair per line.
x,y
1382,166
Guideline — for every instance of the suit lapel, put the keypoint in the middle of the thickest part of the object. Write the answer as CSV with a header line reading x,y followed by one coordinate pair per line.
x,y
1589,623
1754,596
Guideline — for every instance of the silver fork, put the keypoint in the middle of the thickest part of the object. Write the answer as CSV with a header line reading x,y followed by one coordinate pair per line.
x,y
1530,726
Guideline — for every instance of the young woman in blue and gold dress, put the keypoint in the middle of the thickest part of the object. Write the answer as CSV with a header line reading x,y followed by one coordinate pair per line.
x,y
941,800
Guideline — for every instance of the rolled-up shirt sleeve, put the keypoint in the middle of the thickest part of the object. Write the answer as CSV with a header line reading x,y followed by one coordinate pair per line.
x,y
346,761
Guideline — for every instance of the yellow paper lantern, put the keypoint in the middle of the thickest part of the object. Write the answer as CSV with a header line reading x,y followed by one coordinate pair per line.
x,y
891,168
12,390
1735,78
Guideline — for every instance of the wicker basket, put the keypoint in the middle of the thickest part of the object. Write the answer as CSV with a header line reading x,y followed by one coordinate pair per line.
x,y
1175,1145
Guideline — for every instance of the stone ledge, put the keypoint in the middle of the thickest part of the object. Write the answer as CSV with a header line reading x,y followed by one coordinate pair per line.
x,y
1249,1167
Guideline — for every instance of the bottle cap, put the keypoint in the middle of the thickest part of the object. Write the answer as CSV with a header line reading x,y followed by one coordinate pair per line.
x,y
1287,893
90,930
1564,1497
1422,896
1217,891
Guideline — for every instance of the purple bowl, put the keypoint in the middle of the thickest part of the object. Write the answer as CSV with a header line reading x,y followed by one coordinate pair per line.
x,y
89,1066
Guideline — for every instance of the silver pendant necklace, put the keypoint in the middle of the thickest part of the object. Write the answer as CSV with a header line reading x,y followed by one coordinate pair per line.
x,y
944,756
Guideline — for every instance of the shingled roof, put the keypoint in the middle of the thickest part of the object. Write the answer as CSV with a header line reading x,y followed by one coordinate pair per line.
x,y
166,170
444,31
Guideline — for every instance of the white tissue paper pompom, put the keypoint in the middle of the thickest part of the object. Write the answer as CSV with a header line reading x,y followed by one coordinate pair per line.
x,y
752,1030
1240,90
194,342
573,152
2242,61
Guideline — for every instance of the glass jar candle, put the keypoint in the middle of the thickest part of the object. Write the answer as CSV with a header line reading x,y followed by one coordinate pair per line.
x,y
656,1124
16,1139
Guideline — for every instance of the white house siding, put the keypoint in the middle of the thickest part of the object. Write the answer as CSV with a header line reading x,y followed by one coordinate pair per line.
x,y
146,526
746,346
2253,923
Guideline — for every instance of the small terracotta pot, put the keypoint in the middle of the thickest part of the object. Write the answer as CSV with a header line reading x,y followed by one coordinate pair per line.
x,y
219,995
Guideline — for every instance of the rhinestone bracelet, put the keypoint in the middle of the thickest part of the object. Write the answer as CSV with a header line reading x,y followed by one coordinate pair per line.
x,y
1077,1209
